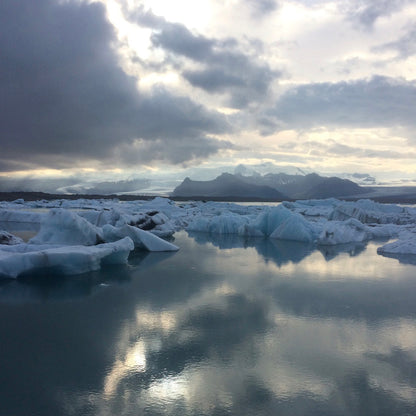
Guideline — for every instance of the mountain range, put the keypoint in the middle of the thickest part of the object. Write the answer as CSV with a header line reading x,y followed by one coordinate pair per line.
x,y
268,187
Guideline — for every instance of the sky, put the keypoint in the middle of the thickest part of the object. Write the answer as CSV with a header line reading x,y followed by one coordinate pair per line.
x,y
141,90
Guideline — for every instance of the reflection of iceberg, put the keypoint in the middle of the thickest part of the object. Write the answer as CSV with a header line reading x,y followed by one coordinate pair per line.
x,y
403,258
278,251
223,241
353,249
282,252
49,284
44,286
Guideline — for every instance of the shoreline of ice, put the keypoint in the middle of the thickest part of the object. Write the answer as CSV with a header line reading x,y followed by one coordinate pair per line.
x,y
69,227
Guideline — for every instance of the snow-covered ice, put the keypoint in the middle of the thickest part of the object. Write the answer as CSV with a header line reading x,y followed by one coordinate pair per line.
x,y
141,239
67,259
406,244
61,226
9,239
68,228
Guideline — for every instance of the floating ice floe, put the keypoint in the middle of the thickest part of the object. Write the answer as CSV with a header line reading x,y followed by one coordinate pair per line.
x,y
370,212
69,244
66,260
95,223
9,239
141,239
343,232
20,216
325,222
406,244
64,227
274,222
224,223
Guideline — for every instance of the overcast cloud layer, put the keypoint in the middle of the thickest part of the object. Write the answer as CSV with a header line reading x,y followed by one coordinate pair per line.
x,y
139,84
67,100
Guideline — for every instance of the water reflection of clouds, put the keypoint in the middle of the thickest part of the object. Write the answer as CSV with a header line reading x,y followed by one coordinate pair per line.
x,y
251,349
239,331
47,285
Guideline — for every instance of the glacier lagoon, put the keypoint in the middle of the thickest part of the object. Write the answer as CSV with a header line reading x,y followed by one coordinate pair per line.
x,y
228,325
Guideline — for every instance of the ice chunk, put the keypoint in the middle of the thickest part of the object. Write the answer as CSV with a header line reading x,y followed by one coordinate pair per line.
x,y
225,223
281,223
406,244
9,239
19,216
61,226
343,232
269,220
370,212
156,222
141,238
295,228
66,260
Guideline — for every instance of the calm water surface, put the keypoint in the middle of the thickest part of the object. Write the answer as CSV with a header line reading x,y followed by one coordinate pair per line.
x,y
223,327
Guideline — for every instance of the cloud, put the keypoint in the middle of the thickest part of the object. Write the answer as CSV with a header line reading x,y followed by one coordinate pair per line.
x,y
404,46
68,100
367,12
376,102
261,8
175,152
225,69
335,148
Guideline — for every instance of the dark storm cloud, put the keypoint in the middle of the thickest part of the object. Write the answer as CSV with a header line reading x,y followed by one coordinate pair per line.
x,y
64,95
225,69
179,151
404,46
377,102
367,12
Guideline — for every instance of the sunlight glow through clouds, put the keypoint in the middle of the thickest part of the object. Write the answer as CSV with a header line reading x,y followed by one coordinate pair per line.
x,y
191,13
243,69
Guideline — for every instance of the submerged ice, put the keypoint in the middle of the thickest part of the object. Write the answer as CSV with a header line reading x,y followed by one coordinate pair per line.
x,y
82,235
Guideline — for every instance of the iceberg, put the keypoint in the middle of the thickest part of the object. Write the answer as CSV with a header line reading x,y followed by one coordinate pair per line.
x,y
65,227
20,216
224,223
93,223
266,222
343,232
154,221
141,239
295,228
406,244
281,223
9,239
67,260
370,212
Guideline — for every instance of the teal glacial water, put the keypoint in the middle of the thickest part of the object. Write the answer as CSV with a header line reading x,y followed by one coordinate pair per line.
x,y
225,326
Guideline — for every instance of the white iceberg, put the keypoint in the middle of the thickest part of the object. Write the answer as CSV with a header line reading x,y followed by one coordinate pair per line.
x,y
343,232
154,221
65,227
224,223
141,239
295,228
406,244
370,212
281,223
9,239
21,216
327,222
267,222
69,260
